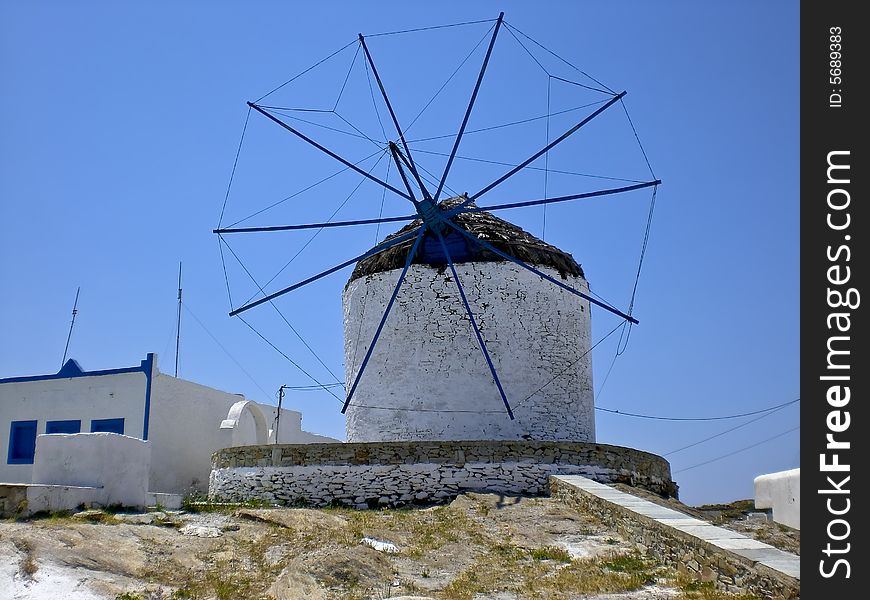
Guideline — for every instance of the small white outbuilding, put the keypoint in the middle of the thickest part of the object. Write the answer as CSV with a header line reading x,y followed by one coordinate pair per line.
x,y
185,422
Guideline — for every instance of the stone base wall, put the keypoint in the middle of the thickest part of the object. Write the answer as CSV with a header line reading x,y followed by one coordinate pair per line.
x,y
372,474
729,571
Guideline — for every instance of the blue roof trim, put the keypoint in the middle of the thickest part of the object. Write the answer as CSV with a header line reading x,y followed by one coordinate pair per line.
x,y
71,368
69,371
148,365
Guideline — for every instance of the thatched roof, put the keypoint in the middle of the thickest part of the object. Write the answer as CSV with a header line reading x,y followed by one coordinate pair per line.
x,y
505,236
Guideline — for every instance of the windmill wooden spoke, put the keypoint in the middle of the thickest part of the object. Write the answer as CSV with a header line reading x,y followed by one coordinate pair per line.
x,y
379,248
568,288
315,225
380,328
474,325
343,161
470,106
546,148
629,188
413,167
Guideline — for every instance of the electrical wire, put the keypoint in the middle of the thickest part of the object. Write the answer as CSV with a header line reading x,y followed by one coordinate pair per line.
x,y
721,433
720,418
764,441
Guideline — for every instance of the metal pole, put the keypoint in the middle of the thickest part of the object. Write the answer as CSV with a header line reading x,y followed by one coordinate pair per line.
x,y
412,166
470,106
73,322
548,147
379,248
178,322
346,163
315,225
278,414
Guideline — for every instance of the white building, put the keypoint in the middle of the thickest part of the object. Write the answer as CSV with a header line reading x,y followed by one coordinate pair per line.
x,y
184,421
427,378
781,492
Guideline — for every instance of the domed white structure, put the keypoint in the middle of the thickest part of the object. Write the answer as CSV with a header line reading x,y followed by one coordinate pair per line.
x,y
427,378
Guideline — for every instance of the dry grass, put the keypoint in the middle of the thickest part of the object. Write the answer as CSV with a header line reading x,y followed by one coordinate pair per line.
x,y
27,566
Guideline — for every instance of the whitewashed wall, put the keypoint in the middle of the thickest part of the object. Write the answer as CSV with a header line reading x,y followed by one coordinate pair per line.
x,y
428,356
781,492
185,431
117,464
184,421
100,397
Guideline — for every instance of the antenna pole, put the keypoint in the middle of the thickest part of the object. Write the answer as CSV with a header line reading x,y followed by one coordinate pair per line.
x,y
73,322
178,322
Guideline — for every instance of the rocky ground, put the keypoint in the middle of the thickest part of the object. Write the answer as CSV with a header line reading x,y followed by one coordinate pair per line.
x,y
481,546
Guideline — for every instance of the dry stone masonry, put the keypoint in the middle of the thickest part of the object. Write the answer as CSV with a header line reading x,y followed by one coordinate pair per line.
x,y
394,474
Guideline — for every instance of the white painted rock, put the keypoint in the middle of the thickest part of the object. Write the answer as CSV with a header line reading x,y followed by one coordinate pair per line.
x,y
203,531
380,546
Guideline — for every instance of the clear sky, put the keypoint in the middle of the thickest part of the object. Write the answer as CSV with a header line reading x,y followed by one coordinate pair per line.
x,y
120,124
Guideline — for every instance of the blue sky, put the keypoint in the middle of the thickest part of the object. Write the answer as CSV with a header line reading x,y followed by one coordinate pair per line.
x,y
121,123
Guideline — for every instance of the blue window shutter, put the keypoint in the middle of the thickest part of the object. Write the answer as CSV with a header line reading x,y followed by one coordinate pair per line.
x,y
71,426
107,426
22,443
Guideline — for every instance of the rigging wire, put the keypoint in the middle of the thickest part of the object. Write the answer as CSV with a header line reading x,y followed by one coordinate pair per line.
x,y
510,124
534,41
568,368
637,137
297,76
319,231
355,128
719,418
649,218
346,77
534,58
235,163
306,189
529,167
374,102
221,346
366,295
224,267
430,28
764,441
721,433
501,412
610,368
281,314
325,387
464,60
359,135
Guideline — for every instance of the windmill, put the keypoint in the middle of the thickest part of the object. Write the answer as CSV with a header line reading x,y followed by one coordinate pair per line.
x,y
436,226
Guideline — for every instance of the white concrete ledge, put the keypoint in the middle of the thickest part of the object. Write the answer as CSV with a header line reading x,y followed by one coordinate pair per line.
x,y
683,529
